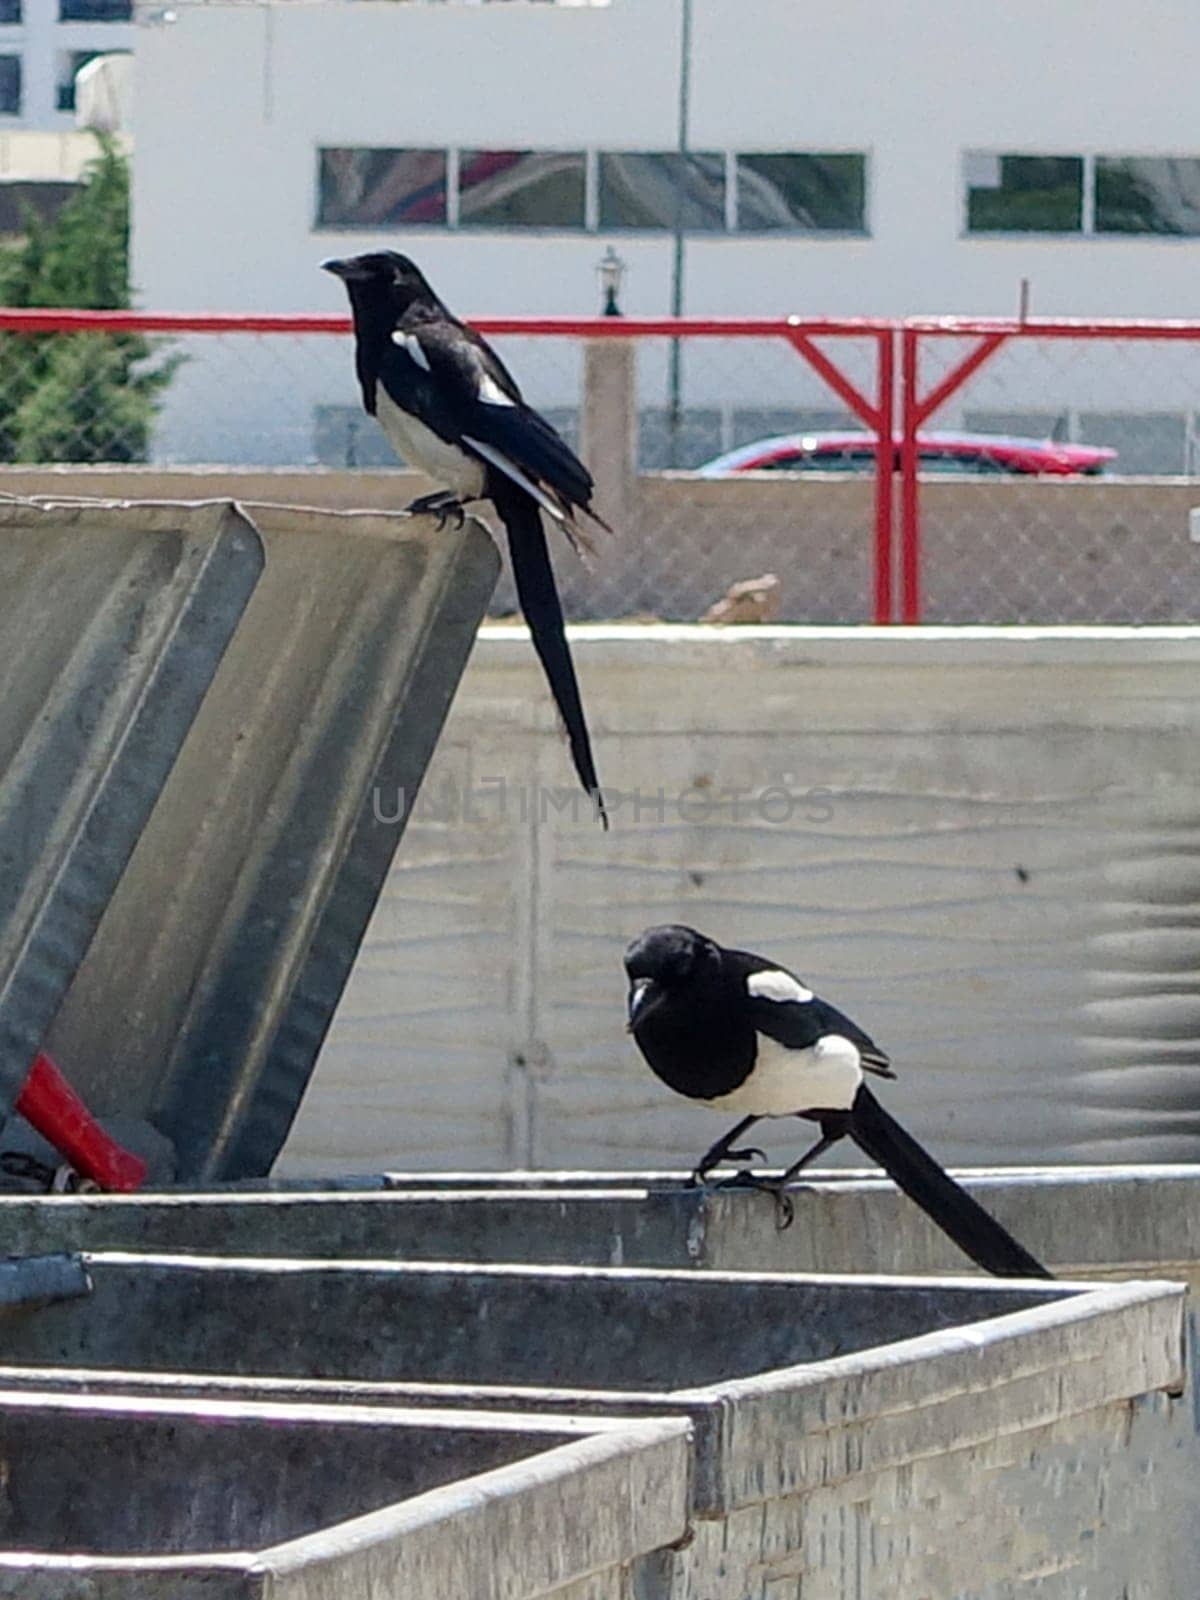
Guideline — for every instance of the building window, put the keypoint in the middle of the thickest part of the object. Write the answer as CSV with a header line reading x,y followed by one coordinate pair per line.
x,y
1148,444
1018,424
573,190
68,66
95,10
1024,194
681,441
10,86
1148,194
10,12
664,191
521,189
801,192
381,189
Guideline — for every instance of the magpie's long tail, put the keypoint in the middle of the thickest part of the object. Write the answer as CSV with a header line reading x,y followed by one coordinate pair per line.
x,y
916,1172
542,610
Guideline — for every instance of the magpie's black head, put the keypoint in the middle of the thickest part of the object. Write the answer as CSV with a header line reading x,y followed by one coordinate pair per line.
x,y
382,276
664,963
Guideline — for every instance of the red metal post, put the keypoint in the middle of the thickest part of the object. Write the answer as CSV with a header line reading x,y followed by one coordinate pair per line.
x,y
884,497
916,411
910,509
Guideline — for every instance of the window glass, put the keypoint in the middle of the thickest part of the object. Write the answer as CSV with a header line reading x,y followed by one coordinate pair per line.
x,y
1017,424
695,439
957,464
849,458
10,11
801,191
370,188
1147,443
1141,194
10,85
662,191
95,10
1024,194
344,436
751,423
521,189
68,66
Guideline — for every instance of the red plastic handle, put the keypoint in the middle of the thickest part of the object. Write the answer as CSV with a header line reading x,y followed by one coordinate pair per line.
x,y
50,1105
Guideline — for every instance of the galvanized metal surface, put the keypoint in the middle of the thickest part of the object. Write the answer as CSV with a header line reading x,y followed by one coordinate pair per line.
x,y
543,1327
763,1366
112,624
226,1499
35,1280
1083,1222
214,972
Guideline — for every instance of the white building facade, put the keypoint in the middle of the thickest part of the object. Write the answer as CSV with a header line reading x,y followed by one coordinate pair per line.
x,y
858,159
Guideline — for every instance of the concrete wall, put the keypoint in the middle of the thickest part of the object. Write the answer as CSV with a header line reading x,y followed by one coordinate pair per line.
x,y
979,844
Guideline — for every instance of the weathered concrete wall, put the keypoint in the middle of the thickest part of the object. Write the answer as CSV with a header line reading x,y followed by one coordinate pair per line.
x,y
982,845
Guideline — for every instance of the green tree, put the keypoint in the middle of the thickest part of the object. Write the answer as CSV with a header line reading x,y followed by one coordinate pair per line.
x,y
78,397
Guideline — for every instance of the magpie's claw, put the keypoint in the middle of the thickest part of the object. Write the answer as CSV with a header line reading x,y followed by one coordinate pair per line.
x,y
785,1210
443,505
699,1175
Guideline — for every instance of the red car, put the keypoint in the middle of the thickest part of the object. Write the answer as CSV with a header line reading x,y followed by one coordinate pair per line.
x,y
970,453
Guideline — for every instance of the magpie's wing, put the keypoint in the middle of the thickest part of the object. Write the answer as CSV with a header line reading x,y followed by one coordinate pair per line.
x,y
784,1008
493,418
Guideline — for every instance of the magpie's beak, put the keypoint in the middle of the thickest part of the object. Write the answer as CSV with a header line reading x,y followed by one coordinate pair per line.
x,y
644,997
348,270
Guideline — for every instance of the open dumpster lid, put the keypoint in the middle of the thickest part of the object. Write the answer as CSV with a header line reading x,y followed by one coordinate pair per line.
x,y
197,996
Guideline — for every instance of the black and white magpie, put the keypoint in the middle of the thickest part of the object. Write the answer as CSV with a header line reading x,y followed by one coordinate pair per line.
x,y
449,406
742,1034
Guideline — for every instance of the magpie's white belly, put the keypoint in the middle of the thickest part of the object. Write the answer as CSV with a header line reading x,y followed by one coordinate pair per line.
x,y
421,448
825,1077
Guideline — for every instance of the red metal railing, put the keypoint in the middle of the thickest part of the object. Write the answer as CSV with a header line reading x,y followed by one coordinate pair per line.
x,y
900,343
875,412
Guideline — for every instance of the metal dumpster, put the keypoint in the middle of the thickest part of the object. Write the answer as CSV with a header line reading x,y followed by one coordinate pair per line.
x,y
1083,1222
202,705
153,1499
765,1366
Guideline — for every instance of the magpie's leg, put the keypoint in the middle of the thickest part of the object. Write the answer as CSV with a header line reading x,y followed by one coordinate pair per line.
x,y
723,1150
443,505
833,1127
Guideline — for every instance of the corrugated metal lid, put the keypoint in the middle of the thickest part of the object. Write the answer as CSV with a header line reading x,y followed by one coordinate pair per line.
x,y
218,962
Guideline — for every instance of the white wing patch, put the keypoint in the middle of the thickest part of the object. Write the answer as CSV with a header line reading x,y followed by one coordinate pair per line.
x,y
776,985
411,345
491,393
511,470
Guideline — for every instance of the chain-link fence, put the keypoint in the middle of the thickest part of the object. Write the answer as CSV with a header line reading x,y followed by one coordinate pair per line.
x,y
957,522
1105,534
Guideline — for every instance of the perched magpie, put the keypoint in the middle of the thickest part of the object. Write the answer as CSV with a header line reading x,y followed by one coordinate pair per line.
x,y
450,406
739,1033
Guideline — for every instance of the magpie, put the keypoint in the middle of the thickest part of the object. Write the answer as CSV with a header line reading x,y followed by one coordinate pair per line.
x,y
448,405
743,1034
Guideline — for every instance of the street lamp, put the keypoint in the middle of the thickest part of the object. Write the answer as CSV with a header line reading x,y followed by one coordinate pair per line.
x,y
610,269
